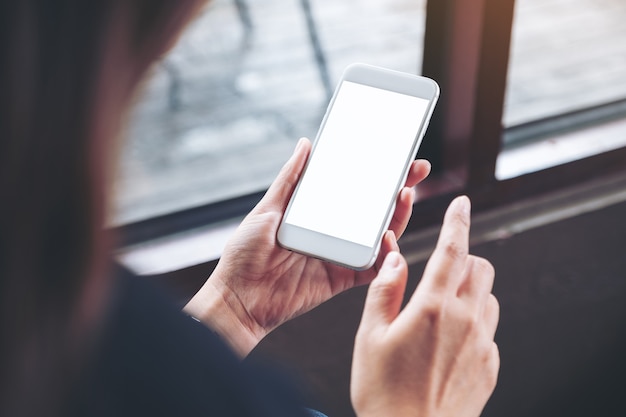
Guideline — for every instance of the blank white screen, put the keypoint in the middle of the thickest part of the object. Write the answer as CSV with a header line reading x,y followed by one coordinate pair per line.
x,y
358,160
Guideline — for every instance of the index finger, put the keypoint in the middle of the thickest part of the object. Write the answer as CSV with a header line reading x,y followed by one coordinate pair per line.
x,y
446,266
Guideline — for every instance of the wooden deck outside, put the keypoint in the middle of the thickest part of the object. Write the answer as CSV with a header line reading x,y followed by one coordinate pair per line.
x,y
245,94
566,55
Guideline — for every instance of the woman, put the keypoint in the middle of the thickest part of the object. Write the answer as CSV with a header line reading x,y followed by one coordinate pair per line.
x,y
80,337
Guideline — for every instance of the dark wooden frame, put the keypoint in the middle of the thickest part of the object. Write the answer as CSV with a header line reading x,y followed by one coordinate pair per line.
x,y
466,49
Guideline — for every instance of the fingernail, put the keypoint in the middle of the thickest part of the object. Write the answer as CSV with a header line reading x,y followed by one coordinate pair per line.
x,y
392,260
299,145
464,205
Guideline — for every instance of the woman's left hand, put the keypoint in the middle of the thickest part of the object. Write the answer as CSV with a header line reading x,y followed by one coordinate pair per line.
x,y
258,285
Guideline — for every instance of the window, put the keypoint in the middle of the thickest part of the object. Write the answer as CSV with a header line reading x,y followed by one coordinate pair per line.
x,y
504,91
566,56
467,49
566,77
223,111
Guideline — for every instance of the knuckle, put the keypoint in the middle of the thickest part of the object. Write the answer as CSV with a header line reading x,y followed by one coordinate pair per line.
x,y
468,321
454,250
380,290
432,310
484,267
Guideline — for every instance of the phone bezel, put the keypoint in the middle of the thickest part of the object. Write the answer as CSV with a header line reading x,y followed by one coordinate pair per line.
x,y
340,251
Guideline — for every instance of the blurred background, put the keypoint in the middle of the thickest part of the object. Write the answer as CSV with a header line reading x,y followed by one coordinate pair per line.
x,y
531,124
222,112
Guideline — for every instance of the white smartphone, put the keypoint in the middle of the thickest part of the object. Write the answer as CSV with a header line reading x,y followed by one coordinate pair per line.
x,y
360,159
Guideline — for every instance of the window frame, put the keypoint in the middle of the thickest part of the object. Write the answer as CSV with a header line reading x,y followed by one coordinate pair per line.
x,y
466,49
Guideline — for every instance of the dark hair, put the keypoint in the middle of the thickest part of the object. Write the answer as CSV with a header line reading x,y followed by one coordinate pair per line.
x,y
68,68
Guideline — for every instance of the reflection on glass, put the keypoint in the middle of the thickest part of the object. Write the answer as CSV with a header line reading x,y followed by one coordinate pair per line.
x,y
566,55
222,112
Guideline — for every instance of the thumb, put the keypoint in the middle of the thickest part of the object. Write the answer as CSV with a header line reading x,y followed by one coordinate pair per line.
x,y
278,194
384,297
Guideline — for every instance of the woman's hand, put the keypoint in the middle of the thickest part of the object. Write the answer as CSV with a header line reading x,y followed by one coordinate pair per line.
x,y
258,285
437,356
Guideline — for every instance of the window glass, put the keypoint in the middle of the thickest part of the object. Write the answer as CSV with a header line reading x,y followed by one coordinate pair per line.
x,y
566,56
223,111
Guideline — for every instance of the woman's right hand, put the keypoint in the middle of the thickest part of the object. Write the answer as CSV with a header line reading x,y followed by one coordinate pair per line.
x,y
437,356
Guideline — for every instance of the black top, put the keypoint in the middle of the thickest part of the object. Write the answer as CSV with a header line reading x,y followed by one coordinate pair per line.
x,y
155,361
